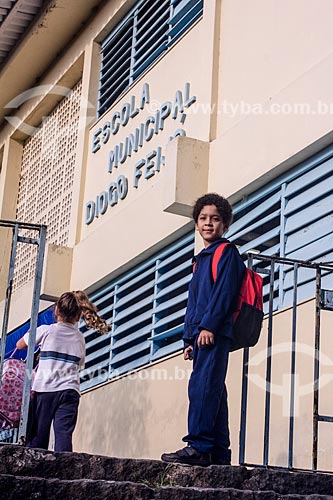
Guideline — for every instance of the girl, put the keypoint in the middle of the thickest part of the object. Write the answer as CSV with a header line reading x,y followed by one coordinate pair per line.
x,y
57,385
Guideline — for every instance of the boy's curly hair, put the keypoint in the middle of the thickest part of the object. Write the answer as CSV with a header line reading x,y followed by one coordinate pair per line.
x,y
223,207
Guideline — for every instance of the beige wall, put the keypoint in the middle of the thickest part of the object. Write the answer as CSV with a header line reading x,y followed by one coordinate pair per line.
x,y
143,413
276,60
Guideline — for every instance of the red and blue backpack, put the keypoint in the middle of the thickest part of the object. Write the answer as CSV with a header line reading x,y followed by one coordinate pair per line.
x,y
248,314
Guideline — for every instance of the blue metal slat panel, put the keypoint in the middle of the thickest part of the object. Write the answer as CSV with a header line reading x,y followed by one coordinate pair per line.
x,y
304,292
131,346
260,240
144,46
138,334
309,214
162,306
144,62
269,251
132,365
265,289
144,13
96,367
139,291
253,214
112,78
97,354
114,89
180,243
136,278
133,322
314,250
158,17
188,250
107,295
288,177
185,12
164,321
84,386
252,227
98,340
135,307
169,349
177,284
183,24
103,294
306,284
172,332
116,41
304,180
107,104
115,32
150,23
305,275
132,351
115,66
312,232
309,196
114,59
173,272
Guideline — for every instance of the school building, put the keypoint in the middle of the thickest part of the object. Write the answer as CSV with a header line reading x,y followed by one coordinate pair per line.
x,y
115,116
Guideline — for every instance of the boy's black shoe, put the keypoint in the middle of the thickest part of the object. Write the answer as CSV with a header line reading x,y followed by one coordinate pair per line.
x,y
189,456
220,461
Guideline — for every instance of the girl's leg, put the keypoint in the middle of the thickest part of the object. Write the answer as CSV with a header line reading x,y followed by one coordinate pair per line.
x,y
44,404
65,419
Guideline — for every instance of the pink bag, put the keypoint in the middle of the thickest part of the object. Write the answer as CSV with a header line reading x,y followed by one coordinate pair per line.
x,y
11,393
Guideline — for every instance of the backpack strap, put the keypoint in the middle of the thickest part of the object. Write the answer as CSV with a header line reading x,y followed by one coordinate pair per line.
x,y
216,258
12,354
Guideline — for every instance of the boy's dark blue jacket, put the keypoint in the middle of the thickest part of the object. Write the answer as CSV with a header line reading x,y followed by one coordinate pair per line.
x,y
210,305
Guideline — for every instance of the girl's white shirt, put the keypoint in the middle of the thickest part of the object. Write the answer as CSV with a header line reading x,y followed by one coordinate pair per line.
x,y
62,356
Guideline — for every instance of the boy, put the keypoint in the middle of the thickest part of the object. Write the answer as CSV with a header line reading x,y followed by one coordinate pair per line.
x,y
208,335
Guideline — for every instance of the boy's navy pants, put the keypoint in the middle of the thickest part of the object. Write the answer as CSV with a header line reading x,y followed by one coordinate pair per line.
x,y
208,426
61,407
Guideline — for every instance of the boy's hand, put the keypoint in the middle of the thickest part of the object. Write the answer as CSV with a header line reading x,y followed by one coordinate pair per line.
x,y
188,352
205,338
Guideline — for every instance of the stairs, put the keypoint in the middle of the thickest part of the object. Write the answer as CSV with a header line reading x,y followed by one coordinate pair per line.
x,y
37,474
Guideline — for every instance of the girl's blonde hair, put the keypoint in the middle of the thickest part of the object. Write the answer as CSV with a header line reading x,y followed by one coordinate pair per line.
x,y
71,305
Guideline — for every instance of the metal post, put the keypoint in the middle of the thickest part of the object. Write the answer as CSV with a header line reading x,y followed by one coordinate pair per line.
x,y
292,369
32,336
269,364
8,299
316,374
242,431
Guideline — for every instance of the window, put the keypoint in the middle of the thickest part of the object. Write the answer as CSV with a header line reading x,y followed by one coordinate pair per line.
x,y
291,217
146,307
148,30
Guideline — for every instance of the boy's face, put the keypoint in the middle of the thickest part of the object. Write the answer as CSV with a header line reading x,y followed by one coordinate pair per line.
x,y
210,224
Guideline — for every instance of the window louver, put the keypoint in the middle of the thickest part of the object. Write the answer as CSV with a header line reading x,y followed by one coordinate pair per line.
x,y
291,217
148,30
147,308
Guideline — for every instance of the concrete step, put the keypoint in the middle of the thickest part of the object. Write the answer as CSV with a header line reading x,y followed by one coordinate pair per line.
x,y
19,461
23,488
